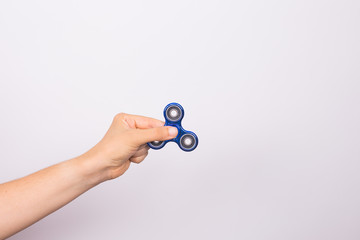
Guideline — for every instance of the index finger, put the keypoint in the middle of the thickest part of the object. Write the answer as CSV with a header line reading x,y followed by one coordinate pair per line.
x,y
145,122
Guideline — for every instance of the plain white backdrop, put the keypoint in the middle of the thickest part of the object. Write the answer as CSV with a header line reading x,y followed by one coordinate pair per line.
x,y
272,89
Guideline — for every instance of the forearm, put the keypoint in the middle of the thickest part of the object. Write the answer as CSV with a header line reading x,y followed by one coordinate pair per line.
x,y
26,200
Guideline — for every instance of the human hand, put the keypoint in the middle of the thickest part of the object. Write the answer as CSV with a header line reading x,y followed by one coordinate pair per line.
x,y
125,142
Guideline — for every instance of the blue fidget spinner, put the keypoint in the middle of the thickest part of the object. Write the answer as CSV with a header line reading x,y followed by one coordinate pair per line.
x,y
186,140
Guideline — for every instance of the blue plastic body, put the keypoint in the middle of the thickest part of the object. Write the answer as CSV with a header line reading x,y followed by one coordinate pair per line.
x,y
181,131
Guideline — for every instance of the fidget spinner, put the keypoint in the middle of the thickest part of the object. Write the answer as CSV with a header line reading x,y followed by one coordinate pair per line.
x,y
186,140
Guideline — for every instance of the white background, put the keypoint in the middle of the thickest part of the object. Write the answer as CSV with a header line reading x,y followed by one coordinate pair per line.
x,y
272,89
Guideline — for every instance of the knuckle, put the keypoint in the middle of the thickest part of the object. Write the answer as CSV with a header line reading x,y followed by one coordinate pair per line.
x,y
119,116
137,160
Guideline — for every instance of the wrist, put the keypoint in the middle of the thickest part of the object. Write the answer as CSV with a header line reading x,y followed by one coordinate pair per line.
x,y
91,169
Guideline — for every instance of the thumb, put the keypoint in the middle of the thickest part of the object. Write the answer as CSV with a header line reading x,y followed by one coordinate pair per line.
x,y
142,136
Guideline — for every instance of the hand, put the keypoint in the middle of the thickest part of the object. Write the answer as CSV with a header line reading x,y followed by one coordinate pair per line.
x,y
125,142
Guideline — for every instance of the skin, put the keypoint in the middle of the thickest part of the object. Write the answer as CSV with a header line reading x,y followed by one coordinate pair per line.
x,y
26,200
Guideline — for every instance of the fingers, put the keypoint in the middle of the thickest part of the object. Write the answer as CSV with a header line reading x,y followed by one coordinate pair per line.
x,y
145,129
142,136
142,150
140,155
135,121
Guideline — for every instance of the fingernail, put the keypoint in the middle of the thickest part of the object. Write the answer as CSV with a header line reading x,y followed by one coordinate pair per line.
x,y
173,131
